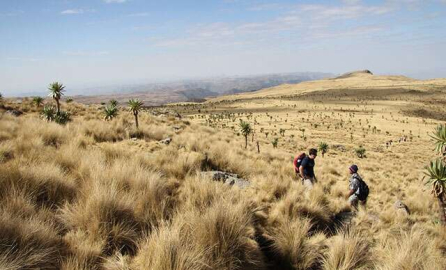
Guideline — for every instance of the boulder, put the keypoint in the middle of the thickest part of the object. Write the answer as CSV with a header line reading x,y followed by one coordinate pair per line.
x,y
15,113
227,178
339,147
166,141
400,207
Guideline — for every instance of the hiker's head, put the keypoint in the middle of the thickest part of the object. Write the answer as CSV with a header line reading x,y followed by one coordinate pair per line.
x,y
313,153
353,169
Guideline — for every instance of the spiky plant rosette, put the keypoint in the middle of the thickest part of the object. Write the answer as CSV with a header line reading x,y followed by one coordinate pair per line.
x,y
440,139
436,176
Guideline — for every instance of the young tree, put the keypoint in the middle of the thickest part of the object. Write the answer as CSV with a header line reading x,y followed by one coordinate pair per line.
x,y
436,174
440,140
56,92
110,112
275,142
436,171
48,113
323,147
38,101
282,132
135,106
113,103
303,132
245,129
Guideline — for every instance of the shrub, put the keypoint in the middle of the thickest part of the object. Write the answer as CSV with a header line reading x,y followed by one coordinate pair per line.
x,y
275,142
48,113
323,147
360,152
110,112
62,118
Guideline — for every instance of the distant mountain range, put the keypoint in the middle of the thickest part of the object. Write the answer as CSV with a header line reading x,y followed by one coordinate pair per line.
x,y
153,94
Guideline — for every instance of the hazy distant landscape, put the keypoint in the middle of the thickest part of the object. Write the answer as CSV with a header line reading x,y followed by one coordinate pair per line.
x,y
196,90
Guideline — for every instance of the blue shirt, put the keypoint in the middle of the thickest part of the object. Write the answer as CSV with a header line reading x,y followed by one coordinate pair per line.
x,y
308,166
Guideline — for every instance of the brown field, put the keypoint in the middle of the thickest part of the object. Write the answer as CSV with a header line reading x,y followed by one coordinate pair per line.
x,y
97,194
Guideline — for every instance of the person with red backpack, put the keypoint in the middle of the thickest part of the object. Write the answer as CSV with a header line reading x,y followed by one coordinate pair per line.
x,y
358,189
304,168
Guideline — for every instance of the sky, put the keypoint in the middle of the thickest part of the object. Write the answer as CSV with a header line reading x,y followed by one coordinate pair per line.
x,y
105,42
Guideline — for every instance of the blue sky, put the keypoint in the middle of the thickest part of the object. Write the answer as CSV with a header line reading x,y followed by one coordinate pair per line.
x,y
106,42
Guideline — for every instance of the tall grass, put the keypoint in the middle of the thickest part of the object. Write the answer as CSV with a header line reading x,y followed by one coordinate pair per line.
x,y
99,195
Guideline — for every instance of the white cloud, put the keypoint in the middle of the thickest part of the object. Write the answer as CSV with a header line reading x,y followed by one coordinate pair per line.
x,y
303,22
140,14
72,11
76,11
352,2
23,59
114,1
85,53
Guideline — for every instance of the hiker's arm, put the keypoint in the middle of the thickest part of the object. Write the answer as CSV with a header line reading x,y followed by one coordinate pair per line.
x,y
301,170
350,193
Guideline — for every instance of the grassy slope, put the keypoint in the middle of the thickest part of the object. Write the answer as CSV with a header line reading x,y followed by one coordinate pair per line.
x,y
86,196
354,81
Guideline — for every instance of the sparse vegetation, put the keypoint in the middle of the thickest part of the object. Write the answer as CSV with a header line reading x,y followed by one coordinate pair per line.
x,y
38,101
360,151
88,196
135,107
110,112
113,102
275,142
56,92
323,148
439,137
436,171
48,113
245,129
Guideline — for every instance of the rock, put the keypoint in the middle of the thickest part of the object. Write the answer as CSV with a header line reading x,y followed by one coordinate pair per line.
x,y
227,178
15,113
401,208
339,147
166,141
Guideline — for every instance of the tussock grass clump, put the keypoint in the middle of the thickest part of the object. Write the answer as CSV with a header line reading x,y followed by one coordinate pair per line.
x,y
294,247
29,244
227,234
409,250
220,238
347,251
166,249
298,204
46,184
200,193
109,218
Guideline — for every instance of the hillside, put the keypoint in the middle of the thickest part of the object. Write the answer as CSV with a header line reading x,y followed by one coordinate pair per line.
x,y
351,81
96,194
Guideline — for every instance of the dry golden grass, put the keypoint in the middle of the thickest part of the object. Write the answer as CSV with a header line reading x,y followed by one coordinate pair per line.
x,y
97,194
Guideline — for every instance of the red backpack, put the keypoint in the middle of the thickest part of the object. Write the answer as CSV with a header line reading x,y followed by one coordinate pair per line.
x,y
297,161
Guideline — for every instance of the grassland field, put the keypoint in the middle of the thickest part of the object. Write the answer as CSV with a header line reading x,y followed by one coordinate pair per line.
x,y
95,194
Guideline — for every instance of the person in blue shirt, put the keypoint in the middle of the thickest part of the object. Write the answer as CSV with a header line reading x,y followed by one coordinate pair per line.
x,y
306,169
